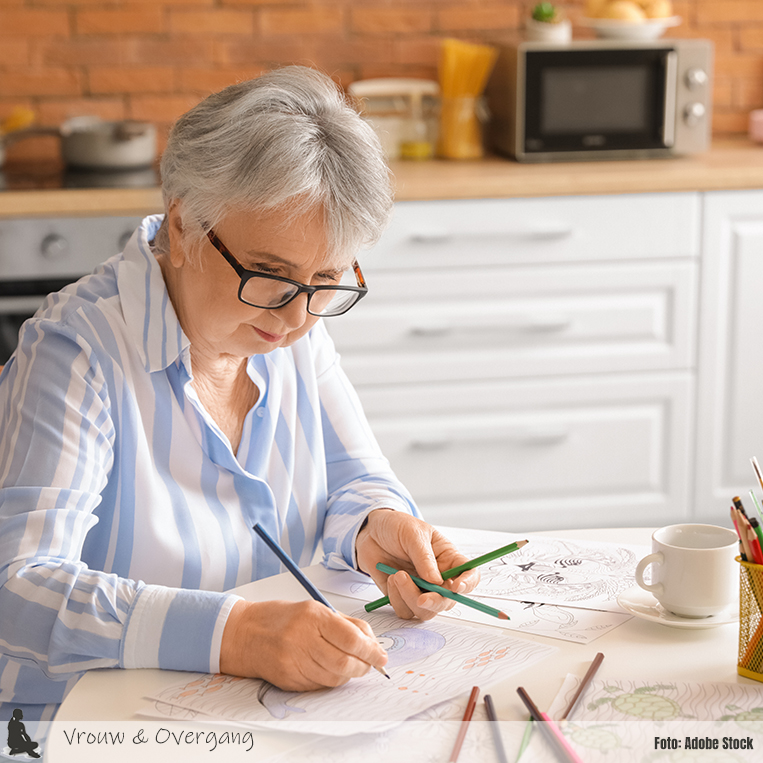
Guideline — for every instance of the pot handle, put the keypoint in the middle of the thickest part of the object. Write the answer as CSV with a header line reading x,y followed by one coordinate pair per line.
x,y
29,132
124,131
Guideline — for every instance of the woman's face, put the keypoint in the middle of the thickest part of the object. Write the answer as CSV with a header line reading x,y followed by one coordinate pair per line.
x,y
204,289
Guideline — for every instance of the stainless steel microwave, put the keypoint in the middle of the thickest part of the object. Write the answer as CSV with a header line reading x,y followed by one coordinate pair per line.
x,y
600,99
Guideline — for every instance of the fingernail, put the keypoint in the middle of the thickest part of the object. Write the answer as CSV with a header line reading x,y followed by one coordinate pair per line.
x,y
461,587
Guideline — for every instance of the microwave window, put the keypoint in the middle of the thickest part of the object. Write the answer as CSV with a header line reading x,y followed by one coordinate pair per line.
x,y
585,99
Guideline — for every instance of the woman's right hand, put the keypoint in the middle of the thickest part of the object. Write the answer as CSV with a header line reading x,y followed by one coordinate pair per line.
x,y
297,646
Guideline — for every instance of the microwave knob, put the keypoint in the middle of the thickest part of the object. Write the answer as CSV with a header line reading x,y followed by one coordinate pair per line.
x,y
54,247
695,78
693,113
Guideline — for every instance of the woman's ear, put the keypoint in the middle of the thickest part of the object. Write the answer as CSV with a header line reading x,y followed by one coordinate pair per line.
x,y
177,255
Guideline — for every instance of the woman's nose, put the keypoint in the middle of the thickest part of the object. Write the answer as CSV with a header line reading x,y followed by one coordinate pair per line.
x,y
294,314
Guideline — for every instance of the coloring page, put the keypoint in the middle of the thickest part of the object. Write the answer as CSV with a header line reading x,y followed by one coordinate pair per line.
x,y
659,721
566,623
581,574
428,663
630,700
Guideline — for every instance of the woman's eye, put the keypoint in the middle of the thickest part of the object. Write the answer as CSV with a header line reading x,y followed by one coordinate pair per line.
x,y
265,269
329,278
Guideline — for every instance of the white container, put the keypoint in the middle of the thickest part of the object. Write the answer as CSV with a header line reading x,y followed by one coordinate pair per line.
x,y
402,111
546,31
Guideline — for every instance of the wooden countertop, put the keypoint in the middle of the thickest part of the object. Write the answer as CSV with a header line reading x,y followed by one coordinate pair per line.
x,y
729,165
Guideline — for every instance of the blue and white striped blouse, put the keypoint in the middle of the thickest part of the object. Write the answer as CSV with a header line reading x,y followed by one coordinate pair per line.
x,y
124,512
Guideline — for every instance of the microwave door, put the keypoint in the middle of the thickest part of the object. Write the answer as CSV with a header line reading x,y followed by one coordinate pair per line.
x,y
671,75
609,102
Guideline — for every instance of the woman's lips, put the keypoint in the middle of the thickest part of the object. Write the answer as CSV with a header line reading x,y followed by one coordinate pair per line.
x,y
267,336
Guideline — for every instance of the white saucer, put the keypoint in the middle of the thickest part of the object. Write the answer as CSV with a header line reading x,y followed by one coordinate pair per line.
x,y
642,604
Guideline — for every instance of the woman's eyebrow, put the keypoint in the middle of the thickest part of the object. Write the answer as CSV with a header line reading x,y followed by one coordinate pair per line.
x,y
256,256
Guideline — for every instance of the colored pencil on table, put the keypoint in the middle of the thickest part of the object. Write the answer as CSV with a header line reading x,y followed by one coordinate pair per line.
x,y
478,605
302,579
593,667
456,571
470,705
550,730
491,716
525,739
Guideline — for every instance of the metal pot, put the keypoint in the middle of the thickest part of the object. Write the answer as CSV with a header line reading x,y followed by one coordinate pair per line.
x,y
93,144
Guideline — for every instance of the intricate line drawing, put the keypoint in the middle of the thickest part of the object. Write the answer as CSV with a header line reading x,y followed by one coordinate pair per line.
x,y
429,663
620,700
585,574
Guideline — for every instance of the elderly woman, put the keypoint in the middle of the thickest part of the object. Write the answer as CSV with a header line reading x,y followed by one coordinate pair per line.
x,y
157,409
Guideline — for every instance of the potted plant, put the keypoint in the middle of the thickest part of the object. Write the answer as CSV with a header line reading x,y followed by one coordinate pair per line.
x,y
548,23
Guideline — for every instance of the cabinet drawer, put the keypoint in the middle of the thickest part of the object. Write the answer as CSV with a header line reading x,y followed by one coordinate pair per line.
x,y
511,456
516,322
559,229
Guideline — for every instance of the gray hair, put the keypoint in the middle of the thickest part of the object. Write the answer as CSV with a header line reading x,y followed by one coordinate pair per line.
x,y
287,139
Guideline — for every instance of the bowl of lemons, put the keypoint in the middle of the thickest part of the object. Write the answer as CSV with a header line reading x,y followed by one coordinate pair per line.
x,y
630,19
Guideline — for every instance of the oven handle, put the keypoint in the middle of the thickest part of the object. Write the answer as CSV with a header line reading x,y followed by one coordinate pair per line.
x,y
34,287
671,85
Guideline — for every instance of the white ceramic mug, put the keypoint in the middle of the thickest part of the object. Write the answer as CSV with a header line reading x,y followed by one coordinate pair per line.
x,y
693,570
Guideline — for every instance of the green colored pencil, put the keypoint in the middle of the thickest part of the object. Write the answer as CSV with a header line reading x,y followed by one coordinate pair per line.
x,y
448,594
757,505
525,739
452,573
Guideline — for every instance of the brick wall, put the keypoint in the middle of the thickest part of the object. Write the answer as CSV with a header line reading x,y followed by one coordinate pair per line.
x,y
154,59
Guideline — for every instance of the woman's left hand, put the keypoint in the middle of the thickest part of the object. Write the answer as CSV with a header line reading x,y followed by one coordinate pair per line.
x,y
412,546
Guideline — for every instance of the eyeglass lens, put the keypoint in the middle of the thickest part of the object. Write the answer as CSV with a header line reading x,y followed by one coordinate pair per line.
x,y
270,294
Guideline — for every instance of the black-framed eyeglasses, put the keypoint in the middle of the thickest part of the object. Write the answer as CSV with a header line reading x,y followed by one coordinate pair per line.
x,y
270,292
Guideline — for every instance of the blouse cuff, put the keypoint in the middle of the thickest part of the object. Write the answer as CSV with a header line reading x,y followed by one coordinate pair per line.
x,y
175,629
340,555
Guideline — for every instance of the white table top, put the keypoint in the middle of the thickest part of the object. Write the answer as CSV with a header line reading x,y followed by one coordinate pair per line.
x,y
636,649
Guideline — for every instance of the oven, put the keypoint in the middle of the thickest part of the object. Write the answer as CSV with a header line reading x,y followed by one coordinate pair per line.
x,y
42,255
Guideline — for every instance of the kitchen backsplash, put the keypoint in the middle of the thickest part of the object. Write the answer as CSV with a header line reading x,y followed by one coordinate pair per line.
x,y
154,59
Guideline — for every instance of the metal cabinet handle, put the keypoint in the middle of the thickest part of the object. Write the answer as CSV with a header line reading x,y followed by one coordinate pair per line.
x,y
533,324
535,233
529,436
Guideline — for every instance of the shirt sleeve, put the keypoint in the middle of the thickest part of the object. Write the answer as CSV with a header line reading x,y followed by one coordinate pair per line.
x,y
359,477
56,456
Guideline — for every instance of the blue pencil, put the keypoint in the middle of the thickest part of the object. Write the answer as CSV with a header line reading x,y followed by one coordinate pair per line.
x,y
290,565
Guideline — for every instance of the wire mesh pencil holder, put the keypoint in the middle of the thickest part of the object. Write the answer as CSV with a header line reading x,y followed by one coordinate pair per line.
x,y
750,662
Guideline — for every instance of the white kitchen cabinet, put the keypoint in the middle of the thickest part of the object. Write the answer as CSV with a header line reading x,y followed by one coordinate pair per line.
x,y
528,363
730,380
520,455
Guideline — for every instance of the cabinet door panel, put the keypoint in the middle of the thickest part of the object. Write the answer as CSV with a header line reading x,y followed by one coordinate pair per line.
x,y
511,455
513,231
512,322
730,391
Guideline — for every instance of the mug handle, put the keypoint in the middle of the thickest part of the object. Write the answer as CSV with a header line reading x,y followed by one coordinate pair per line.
x,y
656,558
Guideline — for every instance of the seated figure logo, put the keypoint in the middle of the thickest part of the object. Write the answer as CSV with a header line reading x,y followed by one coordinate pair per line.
x,y
19,742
